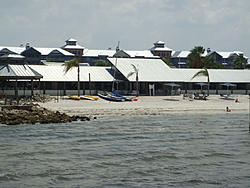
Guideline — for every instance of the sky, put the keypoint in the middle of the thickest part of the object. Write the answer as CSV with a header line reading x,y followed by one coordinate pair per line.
x,y
222,25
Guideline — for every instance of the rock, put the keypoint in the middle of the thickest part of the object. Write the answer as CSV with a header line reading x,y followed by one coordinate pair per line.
x,y
34,113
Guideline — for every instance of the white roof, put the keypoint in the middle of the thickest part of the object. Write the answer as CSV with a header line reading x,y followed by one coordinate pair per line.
x,y
160,49
155,70
17,50
71,39
64,52
17,56
66,46
43,51
215,75
96,53
18,71
141,53
150,70
181,54
57,74
110,53
46,51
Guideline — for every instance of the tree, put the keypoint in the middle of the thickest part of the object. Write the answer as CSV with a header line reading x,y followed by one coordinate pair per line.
x,y
167,61
203,72
136,71
195,57
239,62
102,63
218,66
69,65
209,61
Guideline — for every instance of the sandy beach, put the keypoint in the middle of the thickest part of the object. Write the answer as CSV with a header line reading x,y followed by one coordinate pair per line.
x,y
150,105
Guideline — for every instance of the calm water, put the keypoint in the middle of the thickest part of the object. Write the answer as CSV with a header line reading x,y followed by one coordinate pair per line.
x,y
144,151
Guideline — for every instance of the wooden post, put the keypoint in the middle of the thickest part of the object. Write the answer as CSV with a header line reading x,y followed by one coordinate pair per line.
x,y
89,84
32,87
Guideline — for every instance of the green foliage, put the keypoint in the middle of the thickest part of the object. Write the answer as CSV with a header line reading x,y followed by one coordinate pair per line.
x,y
209,61
203,72
239,62
218,66
70,64
167,61
195,57
102,63
136,71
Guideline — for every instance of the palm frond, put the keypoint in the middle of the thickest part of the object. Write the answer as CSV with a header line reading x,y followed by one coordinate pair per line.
x,y
130,74
136,70
70,64
134,67
203,72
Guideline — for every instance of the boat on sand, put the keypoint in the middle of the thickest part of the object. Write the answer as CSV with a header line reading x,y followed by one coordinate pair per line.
x,y
110,97
74,97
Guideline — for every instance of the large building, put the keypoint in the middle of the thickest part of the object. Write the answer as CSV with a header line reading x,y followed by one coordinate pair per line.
x,y
36,55
153,76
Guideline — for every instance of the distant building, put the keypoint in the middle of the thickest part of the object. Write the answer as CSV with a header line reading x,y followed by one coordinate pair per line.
x,y
72,47
36,55
224,58
179,58
161,50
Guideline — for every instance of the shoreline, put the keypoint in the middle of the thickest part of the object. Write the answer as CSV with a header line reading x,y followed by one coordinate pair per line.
x,y
150,105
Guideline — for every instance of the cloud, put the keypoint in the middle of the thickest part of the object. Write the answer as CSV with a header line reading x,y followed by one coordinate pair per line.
x,y
221,25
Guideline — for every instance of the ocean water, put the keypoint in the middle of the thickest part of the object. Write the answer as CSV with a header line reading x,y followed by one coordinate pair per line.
x,y
191,150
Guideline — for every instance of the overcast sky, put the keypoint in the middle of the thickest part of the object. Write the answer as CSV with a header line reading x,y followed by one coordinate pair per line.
x,y
222,25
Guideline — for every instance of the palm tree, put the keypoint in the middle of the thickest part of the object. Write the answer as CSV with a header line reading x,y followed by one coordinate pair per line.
x,y
195,57
203,72
239,62
136,71
209,60
69,65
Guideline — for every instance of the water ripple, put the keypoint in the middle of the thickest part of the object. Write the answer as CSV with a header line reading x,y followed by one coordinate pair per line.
x,y
150,151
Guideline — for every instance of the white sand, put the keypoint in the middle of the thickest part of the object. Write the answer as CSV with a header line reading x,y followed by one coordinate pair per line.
x,y
149,105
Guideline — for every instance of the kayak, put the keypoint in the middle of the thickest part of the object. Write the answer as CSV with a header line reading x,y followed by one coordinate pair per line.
x,y
86,98
90,96
74,97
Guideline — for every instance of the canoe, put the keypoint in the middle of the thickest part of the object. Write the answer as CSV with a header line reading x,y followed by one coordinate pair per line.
x,y
111,98
118,95
90,96
74,97
86,98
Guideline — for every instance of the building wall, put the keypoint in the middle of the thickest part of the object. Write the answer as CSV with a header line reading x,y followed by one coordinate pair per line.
x,y
78,54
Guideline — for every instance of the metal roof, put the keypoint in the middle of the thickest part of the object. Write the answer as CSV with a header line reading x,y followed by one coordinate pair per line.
x,y
17,50
18,72
141,53
46,51
14,56
96,53
57,74
155,70
67,46
150,70
215,75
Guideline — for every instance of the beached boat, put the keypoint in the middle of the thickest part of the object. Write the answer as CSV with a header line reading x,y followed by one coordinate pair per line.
x,y
74,97
86,98
93,97
109,97
118,95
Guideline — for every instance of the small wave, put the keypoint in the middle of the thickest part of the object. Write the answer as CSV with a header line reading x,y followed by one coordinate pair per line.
x,y
10,177
21,154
